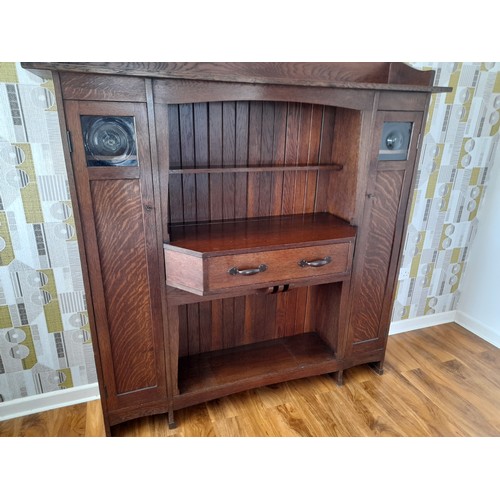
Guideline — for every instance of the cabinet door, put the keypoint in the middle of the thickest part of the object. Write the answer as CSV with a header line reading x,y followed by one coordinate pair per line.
x,y
380,235
112,171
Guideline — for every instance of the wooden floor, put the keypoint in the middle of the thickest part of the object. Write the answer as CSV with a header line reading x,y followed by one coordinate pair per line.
x,y
438,381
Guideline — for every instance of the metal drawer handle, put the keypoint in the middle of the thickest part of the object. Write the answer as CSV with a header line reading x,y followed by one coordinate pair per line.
x,y
247,272
315,263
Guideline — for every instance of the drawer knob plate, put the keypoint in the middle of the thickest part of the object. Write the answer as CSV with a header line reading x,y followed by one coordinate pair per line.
x,y
247,272
315,263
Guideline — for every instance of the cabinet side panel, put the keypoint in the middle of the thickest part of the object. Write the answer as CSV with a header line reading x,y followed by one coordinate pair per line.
x,y
370,284
122,252
346,153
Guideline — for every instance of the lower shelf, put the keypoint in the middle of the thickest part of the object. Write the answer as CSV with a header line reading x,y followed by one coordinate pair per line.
x,y
215,374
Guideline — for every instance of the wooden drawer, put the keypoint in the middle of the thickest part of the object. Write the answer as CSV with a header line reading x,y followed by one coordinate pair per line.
x,y
213,258
276,266
202,275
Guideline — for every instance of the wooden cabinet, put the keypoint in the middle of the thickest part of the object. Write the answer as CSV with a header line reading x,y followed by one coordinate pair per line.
x,y
239,224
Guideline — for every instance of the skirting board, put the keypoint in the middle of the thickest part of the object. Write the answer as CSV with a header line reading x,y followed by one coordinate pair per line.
x,y
48,401
407,325
473,325
480,329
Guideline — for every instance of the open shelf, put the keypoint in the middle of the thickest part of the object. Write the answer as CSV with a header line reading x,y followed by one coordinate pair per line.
x,y
260,232
214,374
255,168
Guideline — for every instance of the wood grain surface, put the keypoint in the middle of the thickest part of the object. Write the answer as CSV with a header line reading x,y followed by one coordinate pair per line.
x,y
260,234
122,251
248,134
376,75
370,284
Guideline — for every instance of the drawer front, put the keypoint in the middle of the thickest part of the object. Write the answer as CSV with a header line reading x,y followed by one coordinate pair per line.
x,y
277,266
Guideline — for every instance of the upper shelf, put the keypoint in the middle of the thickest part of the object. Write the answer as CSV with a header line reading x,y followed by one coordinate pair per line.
x,y
255,168
354,75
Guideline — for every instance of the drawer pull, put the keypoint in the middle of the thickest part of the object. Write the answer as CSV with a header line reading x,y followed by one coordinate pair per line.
x,y
315,263
247,272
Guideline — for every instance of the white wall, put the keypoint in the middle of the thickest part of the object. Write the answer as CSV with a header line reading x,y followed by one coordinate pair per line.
x,y
478,307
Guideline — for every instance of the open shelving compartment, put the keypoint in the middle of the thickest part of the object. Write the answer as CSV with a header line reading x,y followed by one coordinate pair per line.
x,y
260,241
231,344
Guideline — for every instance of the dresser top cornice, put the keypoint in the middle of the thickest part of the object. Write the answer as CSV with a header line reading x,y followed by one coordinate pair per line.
x,y
352,75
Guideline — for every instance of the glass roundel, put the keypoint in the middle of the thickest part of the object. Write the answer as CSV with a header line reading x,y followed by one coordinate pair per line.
x,y
395,141
109,141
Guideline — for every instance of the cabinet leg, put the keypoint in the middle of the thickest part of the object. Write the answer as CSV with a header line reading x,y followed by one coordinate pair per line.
x,y
339,377
171,421
378,367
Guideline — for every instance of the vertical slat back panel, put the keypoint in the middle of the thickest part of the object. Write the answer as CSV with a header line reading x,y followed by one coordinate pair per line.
x,y
226,323
215,143
266,158
248,134
244,133
186,128
175,182
228,158
242,116
279,144
325,156
254,145
201,160
291,158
